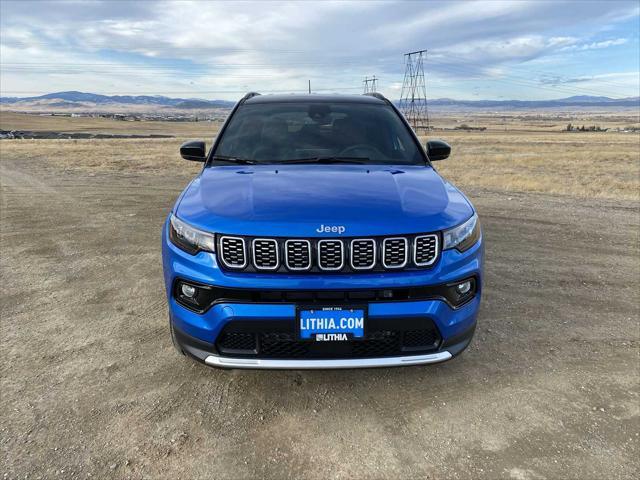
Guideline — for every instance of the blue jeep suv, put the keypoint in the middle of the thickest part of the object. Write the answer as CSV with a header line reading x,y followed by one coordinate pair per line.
x,y
318,235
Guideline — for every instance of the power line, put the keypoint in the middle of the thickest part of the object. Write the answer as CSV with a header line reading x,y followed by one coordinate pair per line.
x,y
523,82
203,71
344,60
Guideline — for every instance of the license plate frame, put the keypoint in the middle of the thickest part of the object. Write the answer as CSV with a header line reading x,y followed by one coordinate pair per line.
x,y
327,308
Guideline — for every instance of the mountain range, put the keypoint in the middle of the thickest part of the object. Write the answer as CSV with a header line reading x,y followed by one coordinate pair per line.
x,y
575,101
79,100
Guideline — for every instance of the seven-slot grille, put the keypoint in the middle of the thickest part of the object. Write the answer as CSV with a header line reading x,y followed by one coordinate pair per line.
x,y
329,255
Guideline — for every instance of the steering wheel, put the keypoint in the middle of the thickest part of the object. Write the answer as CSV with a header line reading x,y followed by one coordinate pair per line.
x,y
361,150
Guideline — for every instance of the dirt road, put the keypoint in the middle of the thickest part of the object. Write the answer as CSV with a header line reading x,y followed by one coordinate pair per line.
x,y
91,386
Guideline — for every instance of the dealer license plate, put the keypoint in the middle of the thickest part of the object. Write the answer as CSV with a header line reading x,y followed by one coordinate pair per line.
x,y
331,324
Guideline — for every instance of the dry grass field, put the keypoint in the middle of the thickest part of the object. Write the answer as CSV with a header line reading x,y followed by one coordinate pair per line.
x,y
90,386
522,158
590,164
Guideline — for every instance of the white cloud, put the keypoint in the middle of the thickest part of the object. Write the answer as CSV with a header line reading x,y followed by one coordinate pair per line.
x,y
604,44
207,47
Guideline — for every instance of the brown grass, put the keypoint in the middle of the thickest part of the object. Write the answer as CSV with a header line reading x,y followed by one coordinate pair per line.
x,y
602,165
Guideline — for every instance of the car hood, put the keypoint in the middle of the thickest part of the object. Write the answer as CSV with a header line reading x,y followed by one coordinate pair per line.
x,y
296,200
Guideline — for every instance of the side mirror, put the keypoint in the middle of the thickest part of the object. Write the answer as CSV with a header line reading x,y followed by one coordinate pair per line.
x,y
438,150
194,150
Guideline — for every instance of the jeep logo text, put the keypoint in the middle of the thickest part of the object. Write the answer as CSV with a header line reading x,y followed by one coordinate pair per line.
x,y
339,229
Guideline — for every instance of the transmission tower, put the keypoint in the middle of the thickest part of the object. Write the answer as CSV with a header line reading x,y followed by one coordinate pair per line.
x,y
370,84
413,98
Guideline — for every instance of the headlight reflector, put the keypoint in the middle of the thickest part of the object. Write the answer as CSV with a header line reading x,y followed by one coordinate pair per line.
x,y
463,236
190,239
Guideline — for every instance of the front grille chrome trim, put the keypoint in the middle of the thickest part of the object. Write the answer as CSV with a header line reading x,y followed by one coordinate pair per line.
x,y
253,253
286,255
415,250
303,364
332,269
355,254
375,252
406,252
244,251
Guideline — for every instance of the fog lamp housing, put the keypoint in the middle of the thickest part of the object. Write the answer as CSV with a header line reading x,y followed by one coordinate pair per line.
x,y
461,292
194,296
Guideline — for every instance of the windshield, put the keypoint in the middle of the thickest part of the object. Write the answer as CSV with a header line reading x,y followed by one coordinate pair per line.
x,y
290,132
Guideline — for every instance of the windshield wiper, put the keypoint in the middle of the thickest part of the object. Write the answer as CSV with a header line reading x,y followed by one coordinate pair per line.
x,y
328,160
242,161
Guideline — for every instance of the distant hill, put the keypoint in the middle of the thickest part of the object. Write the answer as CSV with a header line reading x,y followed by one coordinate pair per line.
x,y
82,99
576,101
88,101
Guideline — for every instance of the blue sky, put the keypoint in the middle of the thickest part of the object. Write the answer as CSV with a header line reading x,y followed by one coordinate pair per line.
x,y
477,49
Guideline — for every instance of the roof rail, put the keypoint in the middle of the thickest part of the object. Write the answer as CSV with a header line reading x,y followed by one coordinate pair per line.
x,y
248,96
377,95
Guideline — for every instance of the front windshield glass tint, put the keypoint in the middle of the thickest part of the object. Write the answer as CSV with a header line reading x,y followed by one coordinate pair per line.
x,y
281,132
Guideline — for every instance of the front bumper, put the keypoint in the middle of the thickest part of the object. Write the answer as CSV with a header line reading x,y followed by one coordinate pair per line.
x,y
196,333
206,353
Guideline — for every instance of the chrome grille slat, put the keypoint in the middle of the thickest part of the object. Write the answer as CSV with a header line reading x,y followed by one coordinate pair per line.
x,y
297,254
363,253
265,254
425,250
233,252
394,252
330,254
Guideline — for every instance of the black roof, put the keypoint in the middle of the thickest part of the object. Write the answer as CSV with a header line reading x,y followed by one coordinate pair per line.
x,y
307,98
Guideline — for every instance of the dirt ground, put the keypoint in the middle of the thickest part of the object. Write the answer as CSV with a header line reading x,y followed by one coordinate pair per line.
x,y
92,388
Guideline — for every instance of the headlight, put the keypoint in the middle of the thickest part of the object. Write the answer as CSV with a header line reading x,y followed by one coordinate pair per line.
x,y
190,239
463,236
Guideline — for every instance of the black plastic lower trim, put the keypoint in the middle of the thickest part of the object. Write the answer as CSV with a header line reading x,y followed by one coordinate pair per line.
x,y
200,350
456,345
209,295
192,346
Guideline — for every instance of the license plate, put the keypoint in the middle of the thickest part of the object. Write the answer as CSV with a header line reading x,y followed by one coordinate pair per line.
x,y
331,324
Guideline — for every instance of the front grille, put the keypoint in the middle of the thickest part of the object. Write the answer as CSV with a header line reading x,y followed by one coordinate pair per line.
x,y
329,255
265,254
394,252
278,339
233,252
